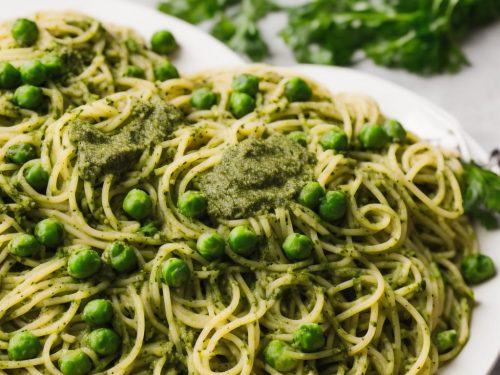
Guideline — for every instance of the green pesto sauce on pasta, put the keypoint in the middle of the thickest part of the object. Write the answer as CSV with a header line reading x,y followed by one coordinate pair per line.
x,y
101,153
256,176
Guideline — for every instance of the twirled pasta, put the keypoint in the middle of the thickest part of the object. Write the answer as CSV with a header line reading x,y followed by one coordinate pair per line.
x,y
380,282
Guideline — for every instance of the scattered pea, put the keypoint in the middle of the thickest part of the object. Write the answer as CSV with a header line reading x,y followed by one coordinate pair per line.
x,y
477,268
23,346
203,98
98,312
75,362
33,73
20,153
246,83
241,104
192,204
137,204
309,337
277,354
210,245
311,195
36,176
297,247
334,139
297,90
50,232
165,71
28,96
24,245
175,272
10,77
122,257
242,240
373,137
333,206
163,42
25,32
104,341
84,263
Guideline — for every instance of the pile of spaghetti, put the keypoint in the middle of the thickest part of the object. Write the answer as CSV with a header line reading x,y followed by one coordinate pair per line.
x,y
233,222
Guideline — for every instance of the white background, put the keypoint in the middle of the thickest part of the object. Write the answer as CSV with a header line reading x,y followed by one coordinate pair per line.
x,y
472,95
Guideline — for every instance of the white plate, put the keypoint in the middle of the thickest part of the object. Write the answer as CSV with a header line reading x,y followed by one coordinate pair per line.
x,y
430,122
198,49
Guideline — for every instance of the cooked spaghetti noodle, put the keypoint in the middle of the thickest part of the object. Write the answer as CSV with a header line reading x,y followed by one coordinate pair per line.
x,y
380,282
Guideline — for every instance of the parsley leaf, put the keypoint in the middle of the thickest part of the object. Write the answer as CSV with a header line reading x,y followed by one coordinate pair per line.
x,y
481,189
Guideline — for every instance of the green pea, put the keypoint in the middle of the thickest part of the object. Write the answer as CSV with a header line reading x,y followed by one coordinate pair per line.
x,y
37,176
309,337
211,245
477,268
54,65
23,346
75,362
299,137
10,77
132,45
104,341
297,90
373,137
24,245
28,96
192,204
135,71
241,104
165,71
311,195
98,312
50,232
277,354
333,206
334,139
25,32
203,98
395,130
33,73
122,257
445,340
163,42
84,263
175,272
242,240
297,247
21,153
137,204
247,83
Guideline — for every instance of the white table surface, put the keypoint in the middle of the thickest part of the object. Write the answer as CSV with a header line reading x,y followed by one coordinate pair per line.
x,y
472,95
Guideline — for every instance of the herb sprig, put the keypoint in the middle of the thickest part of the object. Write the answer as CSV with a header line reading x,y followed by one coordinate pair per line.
x,y
421,36
481,190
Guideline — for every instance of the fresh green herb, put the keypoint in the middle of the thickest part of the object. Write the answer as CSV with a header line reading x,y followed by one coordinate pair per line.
x,y
422,36
481,188
240,31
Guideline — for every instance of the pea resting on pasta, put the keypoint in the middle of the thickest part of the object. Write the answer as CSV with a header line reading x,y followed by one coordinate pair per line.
x,y
242,221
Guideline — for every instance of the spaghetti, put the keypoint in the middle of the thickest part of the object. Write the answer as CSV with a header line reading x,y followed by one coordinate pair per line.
x,y
380,282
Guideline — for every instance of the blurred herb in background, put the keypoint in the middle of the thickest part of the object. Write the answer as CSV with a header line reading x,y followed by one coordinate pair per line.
x,y
421,36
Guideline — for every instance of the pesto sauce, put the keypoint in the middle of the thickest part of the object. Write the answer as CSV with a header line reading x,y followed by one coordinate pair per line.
x,y
101,153
256,176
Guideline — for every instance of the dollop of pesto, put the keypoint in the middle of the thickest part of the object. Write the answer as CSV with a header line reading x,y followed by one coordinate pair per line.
x,y
101,153
256,176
